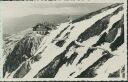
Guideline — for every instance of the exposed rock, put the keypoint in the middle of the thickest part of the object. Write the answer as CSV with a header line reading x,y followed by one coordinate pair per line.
x,y
79,49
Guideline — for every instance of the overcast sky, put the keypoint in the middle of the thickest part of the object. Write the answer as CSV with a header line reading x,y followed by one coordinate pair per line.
x,y
19,9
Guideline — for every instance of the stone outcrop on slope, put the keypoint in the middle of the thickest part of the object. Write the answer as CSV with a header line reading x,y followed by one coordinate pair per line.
x,y
88,47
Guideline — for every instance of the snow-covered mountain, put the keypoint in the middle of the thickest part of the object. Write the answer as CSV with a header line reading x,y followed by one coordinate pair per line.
x,y
92,46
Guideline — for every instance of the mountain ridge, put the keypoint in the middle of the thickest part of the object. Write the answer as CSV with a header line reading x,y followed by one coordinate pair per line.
x,y
83,48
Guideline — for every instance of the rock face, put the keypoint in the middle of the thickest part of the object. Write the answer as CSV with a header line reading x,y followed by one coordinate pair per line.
x,y
88,47
23,48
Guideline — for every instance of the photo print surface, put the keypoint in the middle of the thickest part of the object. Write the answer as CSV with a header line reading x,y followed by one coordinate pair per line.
x,y
64,41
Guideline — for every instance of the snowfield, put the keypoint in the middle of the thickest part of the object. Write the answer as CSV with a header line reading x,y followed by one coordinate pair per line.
x,y
90,48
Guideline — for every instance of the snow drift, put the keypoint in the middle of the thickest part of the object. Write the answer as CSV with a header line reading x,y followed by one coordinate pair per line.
x,y
92,46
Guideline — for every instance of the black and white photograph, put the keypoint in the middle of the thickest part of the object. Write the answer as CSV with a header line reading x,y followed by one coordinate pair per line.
x,y
64,41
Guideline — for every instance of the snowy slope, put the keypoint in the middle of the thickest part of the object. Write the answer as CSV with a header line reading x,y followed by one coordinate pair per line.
x,y
88,47
17,46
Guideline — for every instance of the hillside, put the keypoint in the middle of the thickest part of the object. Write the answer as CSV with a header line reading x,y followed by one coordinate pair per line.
x,y
91,46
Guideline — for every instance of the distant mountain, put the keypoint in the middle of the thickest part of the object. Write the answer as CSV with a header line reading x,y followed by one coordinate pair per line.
x,y
91,46
18,24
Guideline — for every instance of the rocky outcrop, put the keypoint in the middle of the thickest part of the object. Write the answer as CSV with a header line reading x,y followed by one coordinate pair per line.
x,y
22,51
106,34
88,47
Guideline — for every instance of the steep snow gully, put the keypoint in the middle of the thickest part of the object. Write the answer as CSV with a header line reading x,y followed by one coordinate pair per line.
x,y
92,46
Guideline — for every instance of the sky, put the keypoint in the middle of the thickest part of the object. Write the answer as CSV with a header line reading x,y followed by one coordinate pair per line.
x,y
11,11
19,9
